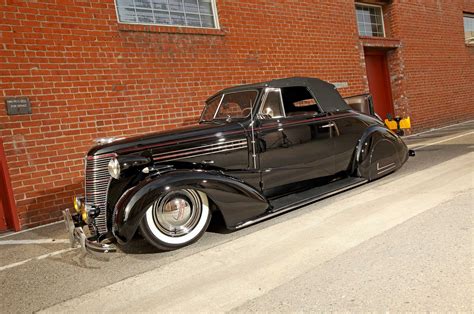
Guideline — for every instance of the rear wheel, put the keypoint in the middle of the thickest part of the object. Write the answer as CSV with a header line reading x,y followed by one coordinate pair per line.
x,y
176,219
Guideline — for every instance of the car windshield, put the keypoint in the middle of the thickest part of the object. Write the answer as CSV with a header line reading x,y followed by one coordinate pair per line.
x,y
229,106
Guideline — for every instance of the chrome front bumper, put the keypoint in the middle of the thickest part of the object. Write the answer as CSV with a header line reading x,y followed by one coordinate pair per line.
x,y
77,236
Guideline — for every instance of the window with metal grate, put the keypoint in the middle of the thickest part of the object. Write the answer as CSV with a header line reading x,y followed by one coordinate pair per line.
x,y
370,20
188,13
469,28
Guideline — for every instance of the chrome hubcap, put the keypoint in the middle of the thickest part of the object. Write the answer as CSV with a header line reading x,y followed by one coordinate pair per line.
x,y
178,212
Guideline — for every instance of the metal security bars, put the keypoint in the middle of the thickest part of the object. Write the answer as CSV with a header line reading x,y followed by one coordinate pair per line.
x,y
370,20
190,13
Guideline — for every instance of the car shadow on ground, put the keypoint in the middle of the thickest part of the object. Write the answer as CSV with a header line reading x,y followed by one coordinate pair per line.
x,y
138,245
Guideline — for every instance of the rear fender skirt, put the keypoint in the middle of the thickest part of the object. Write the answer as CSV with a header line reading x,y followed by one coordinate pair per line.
x,y
236,200
379,152
383,159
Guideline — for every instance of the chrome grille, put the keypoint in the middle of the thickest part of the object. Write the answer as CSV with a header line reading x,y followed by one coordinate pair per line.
x,y
97,185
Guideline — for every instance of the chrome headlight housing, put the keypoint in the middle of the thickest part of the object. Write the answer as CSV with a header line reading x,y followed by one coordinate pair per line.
x,y
120,165
114,168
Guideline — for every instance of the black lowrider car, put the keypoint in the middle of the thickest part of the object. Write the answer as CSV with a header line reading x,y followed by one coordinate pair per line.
x,y
259,150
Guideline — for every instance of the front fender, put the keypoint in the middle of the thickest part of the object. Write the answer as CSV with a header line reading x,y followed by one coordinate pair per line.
x,y
236,200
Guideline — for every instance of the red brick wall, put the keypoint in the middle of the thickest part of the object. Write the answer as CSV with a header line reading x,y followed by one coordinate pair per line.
x,y
88,76
436,66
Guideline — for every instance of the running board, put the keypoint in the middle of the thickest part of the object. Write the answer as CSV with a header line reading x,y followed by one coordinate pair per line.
x,y
293,201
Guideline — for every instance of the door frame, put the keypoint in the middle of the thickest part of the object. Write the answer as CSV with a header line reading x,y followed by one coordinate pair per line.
x,y
386,73
278,174
3,220
9,206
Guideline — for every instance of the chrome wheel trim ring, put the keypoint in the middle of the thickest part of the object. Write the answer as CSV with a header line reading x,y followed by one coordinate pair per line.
x,y
177,213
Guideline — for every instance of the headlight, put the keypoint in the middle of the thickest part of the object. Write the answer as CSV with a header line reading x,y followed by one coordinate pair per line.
x,y
114,168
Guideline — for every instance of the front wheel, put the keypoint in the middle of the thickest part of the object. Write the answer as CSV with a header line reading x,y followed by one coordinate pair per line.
x,y
176,219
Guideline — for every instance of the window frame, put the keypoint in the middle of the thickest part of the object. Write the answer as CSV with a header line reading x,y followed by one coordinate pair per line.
x,y
381,15
236,92
285,115
214,15
222,95
471,16
268,90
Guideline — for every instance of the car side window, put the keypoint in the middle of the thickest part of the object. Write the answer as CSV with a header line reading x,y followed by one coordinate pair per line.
x,y
297,100
272,106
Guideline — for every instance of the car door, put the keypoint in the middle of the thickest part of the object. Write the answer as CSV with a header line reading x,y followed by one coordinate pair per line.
x,y
295,150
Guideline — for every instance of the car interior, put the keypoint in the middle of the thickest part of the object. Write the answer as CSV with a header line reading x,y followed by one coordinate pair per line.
x,y
297,101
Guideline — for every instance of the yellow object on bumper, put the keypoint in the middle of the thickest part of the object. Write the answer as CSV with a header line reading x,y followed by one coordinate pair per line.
x,y
77,203
405,123
84,215
391,124
80,207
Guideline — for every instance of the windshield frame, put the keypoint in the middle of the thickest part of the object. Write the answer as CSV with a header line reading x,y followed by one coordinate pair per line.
x,y
222,95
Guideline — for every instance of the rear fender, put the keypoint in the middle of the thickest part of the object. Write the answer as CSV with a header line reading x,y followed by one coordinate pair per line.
x,y
236,200
379,152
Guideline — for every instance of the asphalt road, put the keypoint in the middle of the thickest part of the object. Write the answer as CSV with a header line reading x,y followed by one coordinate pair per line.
x,y
402,243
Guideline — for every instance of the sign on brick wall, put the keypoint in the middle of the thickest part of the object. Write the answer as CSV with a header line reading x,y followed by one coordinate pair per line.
x,y
18,105
340,84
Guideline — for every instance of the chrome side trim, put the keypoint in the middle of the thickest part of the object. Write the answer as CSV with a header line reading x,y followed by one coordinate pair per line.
x,y
201,150
385,168
239,141
210,153
299,204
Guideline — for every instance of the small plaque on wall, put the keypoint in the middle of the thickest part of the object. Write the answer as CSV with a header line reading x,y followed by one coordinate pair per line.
x,y
341,85
18,105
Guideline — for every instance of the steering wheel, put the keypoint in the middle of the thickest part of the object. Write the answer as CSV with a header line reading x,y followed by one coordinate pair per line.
x,y
246,112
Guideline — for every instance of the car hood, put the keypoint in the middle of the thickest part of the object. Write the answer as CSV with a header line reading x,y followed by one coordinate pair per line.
x,y
172,137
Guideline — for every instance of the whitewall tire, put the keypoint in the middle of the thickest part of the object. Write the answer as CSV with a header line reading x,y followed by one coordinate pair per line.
x,y
176,219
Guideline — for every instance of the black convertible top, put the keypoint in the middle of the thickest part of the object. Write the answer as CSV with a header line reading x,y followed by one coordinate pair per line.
x,y
325,93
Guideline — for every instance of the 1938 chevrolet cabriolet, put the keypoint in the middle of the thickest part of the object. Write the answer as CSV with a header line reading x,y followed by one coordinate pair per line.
x,y
259,150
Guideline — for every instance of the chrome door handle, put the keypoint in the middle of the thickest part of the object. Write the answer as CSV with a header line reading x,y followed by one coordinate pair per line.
x,y
209,162
329,125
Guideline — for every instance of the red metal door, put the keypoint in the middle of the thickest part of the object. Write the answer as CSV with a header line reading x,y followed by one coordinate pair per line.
x,y
8,215
3,222
379,82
